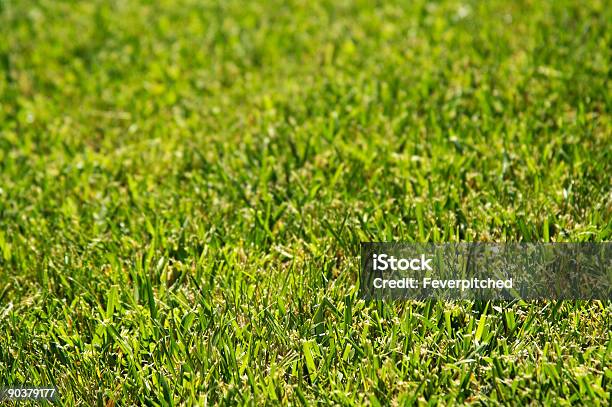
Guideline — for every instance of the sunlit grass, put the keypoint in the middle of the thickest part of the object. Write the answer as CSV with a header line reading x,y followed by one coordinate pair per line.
x,y
184,186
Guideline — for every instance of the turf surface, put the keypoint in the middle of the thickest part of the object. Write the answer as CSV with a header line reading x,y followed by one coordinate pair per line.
x,y
184,186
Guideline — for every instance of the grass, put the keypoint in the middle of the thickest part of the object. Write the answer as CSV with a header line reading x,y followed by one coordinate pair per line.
x,y
184,186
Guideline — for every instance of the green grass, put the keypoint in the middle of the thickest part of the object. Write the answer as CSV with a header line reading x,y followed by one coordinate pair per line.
x,y
184,186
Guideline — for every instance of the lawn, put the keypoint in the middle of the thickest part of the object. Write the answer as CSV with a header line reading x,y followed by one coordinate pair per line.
x,y
184,186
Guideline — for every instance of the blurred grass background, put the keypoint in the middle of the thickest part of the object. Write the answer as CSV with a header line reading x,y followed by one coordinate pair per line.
x,y
184,184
